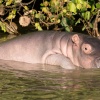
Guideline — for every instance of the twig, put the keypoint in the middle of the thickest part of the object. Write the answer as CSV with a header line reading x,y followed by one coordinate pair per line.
x,y
24,4
95,25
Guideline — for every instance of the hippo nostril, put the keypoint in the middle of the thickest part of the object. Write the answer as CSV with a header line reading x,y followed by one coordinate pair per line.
x,y
98,62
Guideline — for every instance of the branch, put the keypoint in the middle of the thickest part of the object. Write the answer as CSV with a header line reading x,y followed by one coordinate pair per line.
x,y
24,4
95,25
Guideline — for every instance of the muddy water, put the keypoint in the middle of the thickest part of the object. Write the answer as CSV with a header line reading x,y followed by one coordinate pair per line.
x,y
21,81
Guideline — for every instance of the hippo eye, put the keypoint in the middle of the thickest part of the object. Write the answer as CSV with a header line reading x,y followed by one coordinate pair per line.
x,y
87,48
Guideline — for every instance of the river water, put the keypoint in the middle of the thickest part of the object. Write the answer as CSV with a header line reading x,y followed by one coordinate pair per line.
x,y
21,81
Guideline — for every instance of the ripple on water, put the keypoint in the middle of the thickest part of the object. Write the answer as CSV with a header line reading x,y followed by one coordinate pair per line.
x,y
48,83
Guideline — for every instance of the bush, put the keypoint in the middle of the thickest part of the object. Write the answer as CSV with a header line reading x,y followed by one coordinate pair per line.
x,y
53,14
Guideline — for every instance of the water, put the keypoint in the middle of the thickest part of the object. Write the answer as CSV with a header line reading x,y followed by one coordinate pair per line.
x,y
21,81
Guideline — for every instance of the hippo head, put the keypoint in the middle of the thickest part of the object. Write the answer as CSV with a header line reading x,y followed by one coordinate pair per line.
x,y
86,51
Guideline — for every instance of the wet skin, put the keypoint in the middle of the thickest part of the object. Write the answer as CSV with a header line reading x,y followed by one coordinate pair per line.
x,y
64,49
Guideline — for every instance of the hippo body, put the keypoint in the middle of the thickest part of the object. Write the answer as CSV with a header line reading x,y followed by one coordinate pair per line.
x,y
52,47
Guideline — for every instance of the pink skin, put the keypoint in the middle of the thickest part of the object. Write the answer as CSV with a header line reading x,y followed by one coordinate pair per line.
x,y
76,55
72,50
54,48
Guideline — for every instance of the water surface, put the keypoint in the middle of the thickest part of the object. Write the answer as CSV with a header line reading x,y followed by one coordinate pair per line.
x,y
20,81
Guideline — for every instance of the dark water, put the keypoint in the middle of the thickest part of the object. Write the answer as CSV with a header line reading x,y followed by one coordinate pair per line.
x,y
21,82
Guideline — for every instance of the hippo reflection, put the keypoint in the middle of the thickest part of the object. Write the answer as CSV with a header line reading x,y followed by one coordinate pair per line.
x,y
52,47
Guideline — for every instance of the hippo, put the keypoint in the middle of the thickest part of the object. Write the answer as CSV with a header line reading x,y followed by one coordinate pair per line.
x,y
66,49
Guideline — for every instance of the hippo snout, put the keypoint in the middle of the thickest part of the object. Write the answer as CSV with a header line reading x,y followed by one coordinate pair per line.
x,y
97,62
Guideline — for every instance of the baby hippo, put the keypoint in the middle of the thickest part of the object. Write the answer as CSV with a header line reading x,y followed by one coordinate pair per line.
x,y
65,49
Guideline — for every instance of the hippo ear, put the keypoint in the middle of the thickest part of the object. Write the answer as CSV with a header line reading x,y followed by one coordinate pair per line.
x,y
76,39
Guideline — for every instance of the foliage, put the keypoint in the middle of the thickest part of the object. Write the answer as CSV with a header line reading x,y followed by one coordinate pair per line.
x,y
54,14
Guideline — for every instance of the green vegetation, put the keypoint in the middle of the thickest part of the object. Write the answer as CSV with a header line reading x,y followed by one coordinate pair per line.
x,y
53,14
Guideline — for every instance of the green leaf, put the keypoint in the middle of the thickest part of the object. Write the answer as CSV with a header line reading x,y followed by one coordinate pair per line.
x,y
37,26
98,5
26,8
78,1
86,5
78,21
41,4
1,1
17,1
91,25
9,2
83,15
87,15
64,10
63,22
67,28
79,6
83,9
83,28
11,16
92,8
53,19
72,7
58,21
46,3
37,15
65,25
3,27
45,9
33,12
13,11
